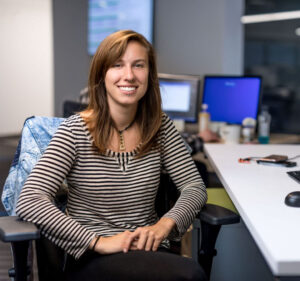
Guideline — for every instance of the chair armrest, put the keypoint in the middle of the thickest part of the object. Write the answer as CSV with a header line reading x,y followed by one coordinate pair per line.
x,y
217,215
206,228
13,229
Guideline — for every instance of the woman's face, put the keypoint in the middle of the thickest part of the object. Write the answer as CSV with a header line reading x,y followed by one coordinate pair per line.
x,y
126,81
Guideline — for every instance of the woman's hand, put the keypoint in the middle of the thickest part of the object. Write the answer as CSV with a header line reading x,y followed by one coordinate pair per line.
x,y
113,244
148,238
143,238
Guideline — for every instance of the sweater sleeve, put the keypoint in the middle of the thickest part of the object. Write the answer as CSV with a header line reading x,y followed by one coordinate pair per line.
x,y
36,205
180,166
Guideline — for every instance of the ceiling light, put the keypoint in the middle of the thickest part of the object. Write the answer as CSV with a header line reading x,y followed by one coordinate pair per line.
x,y
270,17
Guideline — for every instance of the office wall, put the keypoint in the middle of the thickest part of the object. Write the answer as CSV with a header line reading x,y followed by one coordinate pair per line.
x,y
199,36
191,37
26,56
71,60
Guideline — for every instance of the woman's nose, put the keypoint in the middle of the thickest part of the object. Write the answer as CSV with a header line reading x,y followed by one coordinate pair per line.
x,y
129,75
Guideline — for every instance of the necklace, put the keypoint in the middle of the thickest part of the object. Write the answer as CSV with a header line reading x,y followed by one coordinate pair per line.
x,y
121,135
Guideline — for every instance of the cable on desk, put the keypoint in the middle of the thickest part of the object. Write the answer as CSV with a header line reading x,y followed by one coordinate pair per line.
x,y
295,157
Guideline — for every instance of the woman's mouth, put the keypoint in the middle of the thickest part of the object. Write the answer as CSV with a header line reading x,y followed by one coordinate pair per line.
x,y
127,89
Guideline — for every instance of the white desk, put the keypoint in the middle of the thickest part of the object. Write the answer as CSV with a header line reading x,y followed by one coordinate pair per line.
x,y
258,192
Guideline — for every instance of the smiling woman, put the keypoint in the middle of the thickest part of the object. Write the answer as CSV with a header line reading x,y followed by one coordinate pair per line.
x,y
122,61
126,81
112,155
126,84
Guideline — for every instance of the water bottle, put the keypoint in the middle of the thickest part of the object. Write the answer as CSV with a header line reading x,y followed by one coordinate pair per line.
x,y
204,118
264,121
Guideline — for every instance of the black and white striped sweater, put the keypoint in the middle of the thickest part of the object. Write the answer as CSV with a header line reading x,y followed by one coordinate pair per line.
x,y
108,193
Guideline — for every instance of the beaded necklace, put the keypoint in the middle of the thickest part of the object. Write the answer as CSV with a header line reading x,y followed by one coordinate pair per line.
x,y
121,136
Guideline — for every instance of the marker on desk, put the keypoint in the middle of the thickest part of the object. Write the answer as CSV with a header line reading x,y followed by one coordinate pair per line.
x,y
247,160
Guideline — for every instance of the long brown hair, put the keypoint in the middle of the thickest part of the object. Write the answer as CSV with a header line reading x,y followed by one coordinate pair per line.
x,y
149,112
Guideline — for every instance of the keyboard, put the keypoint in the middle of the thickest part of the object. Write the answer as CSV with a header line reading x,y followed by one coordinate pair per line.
x,y
295,175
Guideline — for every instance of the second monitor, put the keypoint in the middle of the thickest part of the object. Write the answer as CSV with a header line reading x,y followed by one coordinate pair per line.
x,y
230,99
180,96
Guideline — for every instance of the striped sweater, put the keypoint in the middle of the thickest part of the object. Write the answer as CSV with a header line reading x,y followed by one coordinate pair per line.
x,y
107,193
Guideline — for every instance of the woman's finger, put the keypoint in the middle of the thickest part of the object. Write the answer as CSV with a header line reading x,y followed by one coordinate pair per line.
x,y
128,238
133,246
150,241
156,244
142,240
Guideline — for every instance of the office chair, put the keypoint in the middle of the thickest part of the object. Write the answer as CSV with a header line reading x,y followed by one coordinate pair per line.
x,y
71,107
50,258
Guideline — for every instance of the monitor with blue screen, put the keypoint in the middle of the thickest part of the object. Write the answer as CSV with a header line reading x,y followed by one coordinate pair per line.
x,y
179,95
231,99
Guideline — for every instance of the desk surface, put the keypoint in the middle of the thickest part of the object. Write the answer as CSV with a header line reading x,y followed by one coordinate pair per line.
x,y
258,192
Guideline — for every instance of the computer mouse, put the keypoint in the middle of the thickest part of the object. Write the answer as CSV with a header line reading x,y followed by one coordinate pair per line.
x,y
293,199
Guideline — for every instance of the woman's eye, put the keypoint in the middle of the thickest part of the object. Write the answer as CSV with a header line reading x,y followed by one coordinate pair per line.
x,y
117,65
139,65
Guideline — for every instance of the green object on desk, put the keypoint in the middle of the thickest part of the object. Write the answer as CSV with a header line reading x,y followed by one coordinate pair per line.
x,y
218,196
263,139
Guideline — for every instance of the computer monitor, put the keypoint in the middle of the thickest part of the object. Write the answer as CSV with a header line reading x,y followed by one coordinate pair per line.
x,y
180,96
106,17
231,98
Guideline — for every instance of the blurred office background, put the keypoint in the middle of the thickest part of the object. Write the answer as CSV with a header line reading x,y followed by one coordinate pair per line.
x,y
44,57
44,61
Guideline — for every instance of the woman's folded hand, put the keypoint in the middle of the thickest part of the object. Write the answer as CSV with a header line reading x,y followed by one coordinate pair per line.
x,y
112,244
146,238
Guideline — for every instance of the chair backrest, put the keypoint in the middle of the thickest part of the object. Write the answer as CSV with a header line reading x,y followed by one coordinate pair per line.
x,y
36,135
71,107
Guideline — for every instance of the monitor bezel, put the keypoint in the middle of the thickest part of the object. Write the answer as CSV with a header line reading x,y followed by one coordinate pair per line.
x,y
195,81
259,102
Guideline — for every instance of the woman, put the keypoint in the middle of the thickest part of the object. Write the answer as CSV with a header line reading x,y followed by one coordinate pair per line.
x,y
112,155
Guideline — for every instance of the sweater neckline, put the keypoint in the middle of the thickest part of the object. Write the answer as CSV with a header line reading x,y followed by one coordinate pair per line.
x,y
108,152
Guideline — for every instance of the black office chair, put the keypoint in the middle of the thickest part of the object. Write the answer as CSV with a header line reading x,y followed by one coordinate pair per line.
x,y
71,107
